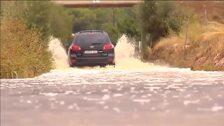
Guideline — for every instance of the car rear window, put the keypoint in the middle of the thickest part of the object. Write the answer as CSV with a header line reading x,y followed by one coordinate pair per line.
x,y
90,38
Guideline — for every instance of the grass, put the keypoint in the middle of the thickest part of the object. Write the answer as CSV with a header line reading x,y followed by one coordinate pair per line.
x,y
204,48
22,51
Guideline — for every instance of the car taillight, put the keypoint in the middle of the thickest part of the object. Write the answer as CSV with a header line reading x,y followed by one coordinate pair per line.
x,y
108,46
76,48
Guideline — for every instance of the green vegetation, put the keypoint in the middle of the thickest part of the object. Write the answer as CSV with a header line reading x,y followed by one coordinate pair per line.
x,y
148,22
115,21
26,27
159,19
199,44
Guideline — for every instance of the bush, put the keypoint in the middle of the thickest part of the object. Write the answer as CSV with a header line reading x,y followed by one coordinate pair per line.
x,y
159,19
22,50
27,27
45,16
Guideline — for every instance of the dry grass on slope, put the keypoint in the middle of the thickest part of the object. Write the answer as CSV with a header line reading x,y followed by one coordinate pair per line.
x,y
202,51
213,10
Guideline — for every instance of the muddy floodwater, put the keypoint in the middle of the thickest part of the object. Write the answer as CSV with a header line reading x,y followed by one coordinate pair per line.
x,y
131,94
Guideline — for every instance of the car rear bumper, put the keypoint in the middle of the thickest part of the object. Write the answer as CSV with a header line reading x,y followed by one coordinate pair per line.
x,y
86,61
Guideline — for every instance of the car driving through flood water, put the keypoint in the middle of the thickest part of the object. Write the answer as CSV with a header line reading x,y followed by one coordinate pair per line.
x,y
91,47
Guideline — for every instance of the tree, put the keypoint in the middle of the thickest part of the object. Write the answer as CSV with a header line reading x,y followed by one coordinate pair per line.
x,y
158,19
49,19
115,21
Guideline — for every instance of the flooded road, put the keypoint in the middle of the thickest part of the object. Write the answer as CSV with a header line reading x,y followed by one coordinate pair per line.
x,y
102,97
131,94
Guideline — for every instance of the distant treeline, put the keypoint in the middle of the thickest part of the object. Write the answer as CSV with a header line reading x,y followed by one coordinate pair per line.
x,y
116,21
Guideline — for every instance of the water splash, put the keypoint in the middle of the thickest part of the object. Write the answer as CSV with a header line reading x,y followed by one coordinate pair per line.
x,y
59,54
125,56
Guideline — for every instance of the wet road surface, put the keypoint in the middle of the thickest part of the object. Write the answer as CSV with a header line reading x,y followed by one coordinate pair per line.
x,y
112,97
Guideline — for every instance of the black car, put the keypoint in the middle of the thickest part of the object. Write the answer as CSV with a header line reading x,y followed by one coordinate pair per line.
x,y
91,47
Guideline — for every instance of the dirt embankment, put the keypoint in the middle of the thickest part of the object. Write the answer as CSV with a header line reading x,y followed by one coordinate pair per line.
x,y
203,52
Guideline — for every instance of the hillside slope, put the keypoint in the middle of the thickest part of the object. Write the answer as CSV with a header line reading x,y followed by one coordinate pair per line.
x,y
202,48
212,10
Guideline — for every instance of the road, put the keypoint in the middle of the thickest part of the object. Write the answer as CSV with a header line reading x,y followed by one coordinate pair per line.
x,y
115,97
